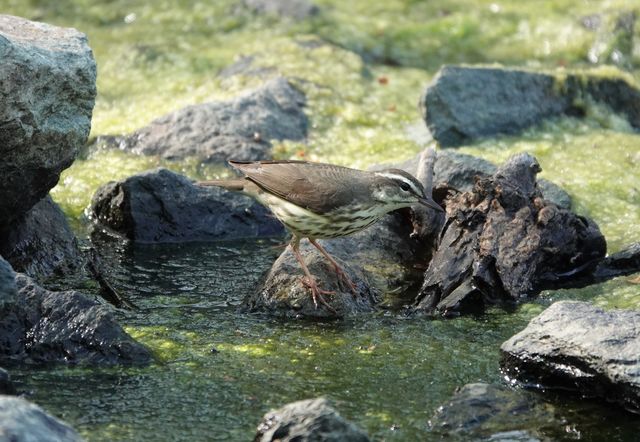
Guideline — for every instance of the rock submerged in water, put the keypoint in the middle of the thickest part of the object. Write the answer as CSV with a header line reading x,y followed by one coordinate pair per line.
x,y
467,103
41,243
22,421
502,243
306,421
487,411
42,327
575,346
162,206
48,85
239,129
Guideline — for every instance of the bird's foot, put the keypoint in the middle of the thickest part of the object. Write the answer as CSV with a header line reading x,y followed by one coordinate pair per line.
x,y
342,275
317,292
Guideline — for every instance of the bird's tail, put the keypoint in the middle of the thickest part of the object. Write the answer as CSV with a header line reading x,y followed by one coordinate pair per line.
x,y
237,185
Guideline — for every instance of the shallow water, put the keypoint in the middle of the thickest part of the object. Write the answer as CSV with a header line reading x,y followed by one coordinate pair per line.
x,y
386,372
220,371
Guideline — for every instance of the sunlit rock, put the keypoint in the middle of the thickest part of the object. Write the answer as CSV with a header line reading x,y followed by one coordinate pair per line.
x,y
306,421
162,206
48,88
239,129
463,104
575,346
43,327
23,421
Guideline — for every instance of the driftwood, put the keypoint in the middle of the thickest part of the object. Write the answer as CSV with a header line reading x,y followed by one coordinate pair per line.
x,y
502,242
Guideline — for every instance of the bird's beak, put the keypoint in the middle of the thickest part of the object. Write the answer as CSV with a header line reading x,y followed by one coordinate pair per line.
x,y
429,202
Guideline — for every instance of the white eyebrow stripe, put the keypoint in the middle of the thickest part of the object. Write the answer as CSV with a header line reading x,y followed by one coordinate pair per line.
x,y
393,176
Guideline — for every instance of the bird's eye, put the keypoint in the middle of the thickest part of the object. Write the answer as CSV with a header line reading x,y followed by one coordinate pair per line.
x,y
405,187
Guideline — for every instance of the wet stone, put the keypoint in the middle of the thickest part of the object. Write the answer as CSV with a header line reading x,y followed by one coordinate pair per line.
x,y
306,421
23,421
575,346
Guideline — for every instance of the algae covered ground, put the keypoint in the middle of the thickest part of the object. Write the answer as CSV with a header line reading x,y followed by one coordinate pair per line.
x,y
363,66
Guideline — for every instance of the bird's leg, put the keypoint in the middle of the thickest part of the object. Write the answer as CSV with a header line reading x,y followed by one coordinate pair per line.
x,y
341,273
309,280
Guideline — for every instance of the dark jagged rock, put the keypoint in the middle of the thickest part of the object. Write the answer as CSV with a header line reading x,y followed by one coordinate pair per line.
x,y
23,421
575,346
293,9
466,103
307,421
282,292
48,88
63,327
41,243
162,206
240,129
6,385
502,242
479,411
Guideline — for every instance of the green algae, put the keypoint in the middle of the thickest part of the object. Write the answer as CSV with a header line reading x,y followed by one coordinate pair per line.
x,y
363,66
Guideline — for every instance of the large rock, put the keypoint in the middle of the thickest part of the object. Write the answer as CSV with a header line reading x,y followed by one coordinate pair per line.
x,y
311,420
48,88
43,327
22,421
502,242
41,243
240,129
282,292
466,103
578,347
162,206
479,411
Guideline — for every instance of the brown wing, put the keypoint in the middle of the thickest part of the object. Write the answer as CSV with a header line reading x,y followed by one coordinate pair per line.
x,y
315,186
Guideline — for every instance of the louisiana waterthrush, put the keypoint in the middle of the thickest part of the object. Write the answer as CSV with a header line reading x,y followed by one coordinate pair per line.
x,y
316,201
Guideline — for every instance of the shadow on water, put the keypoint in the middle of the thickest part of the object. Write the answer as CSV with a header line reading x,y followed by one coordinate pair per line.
x,y
219,371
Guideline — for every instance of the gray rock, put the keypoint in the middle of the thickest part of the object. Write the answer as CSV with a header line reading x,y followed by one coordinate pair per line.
x,y
48,88
459,171
41,243
283,294
293,9
64,327
23,421
240,129
614,39
466,103
8,290
502,242
311,420
6,385
578,347
480,411
162,206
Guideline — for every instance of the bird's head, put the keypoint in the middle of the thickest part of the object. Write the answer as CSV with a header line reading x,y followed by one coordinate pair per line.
x,y
396,188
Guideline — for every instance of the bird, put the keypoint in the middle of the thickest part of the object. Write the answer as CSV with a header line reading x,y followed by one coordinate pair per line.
x,y
322,201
